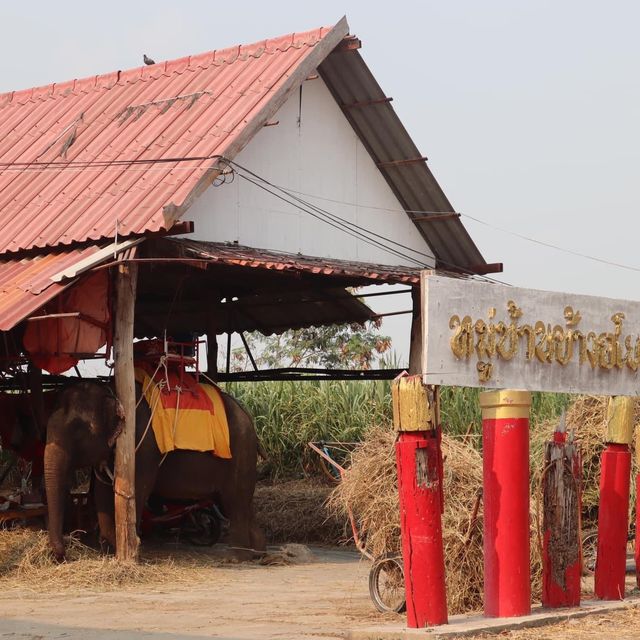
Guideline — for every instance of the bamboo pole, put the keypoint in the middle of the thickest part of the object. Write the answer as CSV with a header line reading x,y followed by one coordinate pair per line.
x,y
124,485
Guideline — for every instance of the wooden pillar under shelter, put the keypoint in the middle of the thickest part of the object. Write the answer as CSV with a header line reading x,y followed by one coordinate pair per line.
x,y
34,376
212,354
124,485
415,345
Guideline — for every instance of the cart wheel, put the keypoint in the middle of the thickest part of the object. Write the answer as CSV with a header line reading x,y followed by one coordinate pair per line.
x,y
386,584
589,552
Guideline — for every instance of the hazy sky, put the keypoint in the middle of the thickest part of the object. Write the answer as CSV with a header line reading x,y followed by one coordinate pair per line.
x,y
528,111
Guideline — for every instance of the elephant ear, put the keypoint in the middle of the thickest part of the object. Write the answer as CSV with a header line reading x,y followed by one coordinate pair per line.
x,y
119,421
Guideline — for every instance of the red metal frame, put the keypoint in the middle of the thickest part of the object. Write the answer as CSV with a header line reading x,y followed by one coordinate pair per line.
x,y
359,542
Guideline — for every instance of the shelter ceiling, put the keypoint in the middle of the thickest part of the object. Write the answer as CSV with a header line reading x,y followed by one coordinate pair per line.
x,y
224,291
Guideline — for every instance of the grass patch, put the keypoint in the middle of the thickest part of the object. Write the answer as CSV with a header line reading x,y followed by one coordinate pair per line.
x,y
290,414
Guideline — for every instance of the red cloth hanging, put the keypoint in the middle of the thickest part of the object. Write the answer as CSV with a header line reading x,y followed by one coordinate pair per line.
x,y
55,344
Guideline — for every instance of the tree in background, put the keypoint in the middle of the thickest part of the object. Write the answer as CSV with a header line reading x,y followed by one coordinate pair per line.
x,y
351,346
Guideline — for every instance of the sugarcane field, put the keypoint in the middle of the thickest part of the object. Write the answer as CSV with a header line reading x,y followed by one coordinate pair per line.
x,y
259,377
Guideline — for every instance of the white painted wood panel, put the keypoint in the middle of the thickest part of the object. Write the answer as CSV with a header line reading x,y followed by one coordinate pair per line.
x,y
579,343
312,150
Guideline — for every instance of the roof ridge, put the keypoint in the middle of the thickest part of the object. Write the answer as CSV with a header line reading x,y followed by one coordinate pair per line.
x,y
217,57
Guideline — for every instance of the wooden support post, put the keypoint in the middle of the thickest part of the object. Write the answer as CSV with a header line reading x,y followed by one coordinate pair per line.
x,y
613,510
34,375
212,355
419,463
561,557
124,485
415,346
505,460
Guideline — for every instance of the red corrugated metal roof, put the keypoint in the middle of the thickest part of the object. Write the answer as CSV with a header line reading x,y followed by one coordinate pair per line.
x,y
240,256
199,106
26,285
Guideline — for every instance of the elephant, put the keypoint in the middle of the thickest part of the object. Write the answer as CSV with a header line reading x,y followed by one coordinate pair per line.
x,y
82,432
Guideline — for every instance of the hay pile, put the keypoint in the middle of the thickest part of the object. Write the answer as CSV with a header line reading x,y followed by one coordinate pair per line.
x,y
295,511
26,562
586,417
370,489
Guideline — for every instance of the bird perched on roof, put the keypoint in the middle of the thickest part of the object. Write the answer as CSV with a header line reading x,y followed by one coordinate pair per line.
x,y
147,59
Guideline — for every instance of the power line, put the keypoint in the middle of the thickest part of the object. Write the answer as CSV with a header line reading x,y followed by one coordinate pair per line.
x,y
84,164
355,230
552,246
331,224
470,217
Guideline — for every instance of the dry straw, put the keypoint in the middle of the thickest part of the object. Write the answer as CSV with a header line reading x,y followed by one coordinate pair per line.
x,y
26,562
294,511
370,490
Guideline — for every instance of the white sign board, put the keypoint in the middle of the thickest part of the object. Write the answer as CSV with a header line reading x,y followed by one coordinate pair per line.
x,y
479,334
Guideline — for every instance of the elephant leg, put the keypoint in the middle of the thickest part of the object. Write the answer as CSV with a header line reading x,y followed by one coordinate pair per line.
x,y
146,474
240,540
245,537
258,539
105,510
57,481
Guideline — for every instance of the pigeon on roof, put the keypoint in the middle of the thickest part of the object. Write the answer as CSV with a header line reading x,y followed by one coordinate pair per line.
x,y
147,59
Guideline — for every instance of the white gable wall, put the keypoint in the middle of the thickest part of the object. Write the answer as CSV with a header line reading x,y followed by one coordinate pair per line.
x,y
321,155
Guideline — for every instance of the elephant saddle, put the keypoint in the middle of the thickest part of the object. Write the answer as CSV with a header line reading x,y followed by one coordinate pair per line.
x,y
191,416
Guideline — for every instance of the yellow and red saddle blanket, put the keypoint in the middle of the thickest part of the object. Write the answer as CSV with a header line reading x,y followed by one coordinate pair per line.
x,y
185,414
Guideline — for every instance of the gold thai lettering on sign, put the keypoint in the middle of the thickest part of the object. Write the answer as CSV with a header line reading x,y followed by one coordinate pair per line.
x,y
489,340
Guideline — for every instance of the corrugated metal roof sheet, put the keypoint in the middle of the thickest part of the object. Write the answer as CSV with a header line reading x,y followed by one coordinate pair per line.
x,y
240,256
96,158
62,146
375,121
26,284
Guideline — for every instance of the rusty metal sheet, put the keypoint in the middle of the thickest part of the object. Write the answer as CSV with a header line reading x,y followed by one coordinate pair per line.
x,y
238,255
26,284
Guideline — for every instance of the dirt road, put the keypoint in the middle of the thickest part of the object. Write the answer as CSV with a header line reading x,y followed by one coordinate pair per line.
x,y
315,600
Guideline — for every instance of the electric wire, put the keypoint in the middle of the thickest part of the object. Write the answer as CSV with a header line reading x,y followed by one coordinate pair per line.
x,y
129,164
474,219
101,163
343,225
549,245
342,228
355,230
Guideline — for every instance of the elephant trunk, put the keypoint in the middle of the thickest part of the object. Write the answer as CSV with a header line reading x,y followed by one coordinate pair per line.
x,y
57,470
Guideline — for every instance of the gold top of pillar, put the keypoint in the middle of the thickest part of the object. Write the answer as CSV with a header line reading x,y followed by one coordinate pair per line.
x,y
620,420
506,403
414,404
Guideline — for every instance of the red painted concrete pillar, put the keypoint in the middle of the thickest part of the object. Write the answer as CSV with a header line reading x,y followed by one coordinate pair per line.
x,y
613,522
419,464
561,545
637,545
505,433
613,510
419,483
